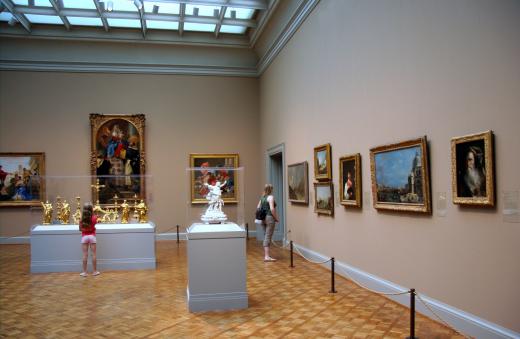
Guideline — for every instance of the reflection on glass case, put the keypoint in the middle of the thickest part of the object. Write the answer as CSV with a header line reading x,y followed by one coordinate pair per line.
x,y
212,207
66,195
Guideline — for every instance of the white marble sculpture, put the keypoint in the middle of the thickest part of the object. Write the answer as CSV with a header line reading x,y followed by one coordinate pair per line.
x,y
214,214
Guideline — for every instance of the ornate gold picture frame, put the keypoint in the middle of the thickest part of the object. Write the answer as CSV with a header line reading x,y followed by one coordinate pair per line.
x,y
350,180
472,169
22,179
298,182
324,198
322,164
210,168
400,176
117,157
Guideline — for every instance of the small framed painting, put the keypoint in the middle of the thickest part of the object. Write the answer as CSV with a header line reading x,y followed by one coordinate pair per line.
x,y
22,179
350,180
322,165
298,181
472,169
324,198
400,179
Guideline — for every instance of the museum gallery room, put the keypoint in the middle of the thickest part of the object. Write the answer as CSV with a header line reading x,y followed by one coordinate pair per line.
x,y
259,168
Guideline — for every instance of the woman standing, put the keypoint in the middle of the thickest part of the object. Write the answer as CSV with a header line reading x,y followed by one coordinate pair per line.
x,y
267,202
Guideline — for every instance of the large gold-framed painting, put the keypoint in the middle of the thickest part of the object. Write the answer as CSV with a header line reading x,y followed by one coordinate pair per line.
x,y
350,180
400,178
208,169
472,169
22,179
117,158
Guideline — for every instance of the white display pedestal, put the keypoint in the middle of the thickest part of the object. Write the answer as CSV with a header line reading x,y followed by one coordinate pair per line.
x,y
216,267
57,248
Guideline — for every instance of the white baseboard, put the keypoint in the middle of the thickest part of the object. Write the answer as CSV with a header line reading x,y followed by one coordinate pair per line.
x,y
462,321
15,240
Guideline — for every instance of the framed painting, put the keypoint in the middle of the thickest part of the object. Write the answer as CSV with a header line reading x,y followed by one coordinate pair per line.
x,y
22,180
322,166
324,198
400,178
117,158
298,180
350,180
210,168
472,169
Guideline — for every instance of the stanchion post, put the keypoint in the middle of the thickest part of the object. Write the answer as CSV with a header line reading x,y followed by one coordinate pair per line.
x,y
177,234
412,315
247,231
332,287
292,262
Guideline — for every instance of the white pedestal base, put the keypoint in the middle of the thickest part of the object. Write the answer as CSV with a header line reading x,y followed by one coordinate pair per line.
x,y
216,267
57,248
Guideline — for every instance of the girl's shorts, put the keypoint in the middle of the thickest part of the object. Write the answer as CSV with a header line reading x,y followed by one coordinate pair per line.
x,y
88,239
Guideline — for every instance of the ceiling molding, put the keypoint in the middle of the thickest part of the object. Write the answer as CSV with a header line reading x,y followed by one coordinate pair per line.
x,y
290,28
89,67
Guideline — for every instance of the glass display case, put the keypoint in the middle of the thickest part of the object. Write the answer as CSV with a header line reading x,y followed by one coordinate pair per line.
x,y
121,201
215,195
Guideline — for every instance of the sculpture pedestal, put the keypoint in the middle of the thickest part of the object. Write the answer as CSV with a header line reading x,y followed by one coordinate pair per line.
x,y
57,248
216,267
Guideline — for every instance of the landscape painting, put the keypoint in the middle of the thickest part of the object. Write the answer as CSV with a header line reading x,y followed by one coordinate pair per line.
x,y
297,178
324,198
22,180
400,179
322,166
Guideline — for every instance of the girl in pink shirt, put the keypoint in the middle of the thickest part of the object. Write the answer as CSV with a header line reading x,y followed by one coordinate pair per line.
x,y
87,226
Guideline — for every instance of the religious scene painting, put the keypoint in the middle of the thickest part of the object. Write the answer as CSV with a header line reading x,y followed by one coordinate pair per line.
x,y
117,157
350,180
472,169
22,180
400,179
322,165
297,178
210,169
324,198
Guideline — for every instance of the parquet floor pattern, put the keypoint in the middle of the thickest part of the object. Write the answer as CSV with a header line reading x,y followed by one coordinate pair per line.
x,y
283,303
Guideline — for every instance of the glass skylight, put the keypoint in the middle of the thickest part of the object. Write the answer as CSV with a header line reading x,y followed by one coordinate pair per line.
x,y
154,24
44,19
189,26
164,8
128,23
5,16
123,5
84,4
203,10
124,13
78,21
241,13
42,3
233,29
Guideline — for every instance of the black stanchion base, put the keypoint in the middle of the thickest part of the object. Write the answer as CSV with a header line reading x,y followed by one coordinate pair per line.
x,y
333,291
412,338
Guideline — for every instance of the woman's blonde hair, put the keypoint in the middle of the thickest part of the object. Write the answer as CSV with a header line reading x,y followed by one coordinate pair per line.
x,y
268,189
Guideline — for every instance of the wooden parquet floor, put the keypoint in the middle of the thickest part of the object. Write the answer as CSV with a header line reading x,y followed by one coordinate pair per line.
x,y
283,303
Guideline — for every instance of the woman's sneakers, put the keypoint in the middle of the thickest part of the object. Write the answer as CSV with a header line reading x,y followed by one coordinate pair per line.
x,y
83,274
96,273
